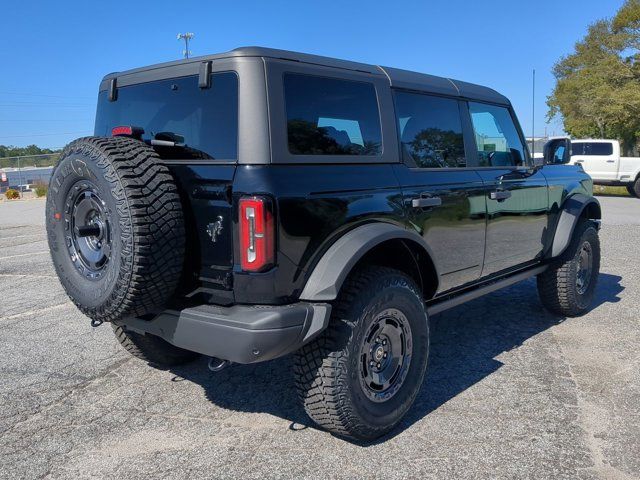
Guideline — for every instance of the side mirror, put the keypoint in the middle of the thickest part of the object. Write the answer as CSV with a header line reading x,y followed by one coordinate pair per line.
x,y
557,151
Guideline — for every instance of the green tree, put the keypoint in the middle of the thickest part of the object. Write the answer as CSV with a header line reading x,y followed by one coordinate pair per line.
x,y
597,91
25,153
11,151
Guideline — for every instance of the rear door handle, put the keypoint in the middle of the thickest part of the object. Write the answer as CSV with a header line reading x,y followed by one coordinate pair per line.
x,y
611,161
500,195
426,202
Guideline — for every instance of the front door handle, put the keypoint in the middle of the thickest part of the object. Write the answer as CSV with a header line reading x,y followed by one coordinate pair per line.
x,y
426,202
500,195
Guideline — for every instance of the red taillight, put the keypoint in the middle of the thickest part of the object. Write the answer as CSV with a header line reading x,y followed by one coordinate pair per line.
x,y
256,234
127,131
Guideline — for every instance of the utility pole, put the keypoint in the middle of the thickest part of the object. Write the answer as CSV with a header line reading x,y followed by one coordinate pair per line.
x,y
186,37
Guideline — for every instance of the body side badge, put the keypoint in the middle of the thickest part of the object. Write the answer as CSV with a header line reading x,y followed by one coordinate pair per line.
x,y
215,228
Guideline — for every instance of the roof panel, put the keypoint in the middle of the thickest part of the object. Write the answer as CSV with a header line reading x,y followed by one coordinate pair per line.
x,y
478,92
420,81
397,77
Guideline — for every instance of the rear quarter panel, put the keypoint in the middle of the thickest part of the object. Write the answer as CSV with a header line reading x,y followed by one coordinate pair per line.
x,y
314,205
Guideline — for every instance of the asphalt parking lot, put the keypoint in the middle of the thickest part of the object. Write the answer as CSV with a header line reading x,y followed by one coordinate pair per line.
x,y
511,390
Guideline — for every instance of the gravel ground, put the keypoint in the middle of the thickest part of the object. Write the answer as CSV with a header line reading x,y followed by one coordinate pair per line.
x,y
511,391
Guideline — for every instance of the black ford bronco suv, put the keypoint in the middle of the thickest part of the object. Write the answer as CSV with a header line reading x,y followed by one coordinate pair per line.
x,y
259,202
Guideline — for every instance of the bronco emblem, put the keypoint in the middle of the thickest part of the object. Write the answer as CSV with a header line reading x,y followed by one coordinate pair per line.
x,y
215,228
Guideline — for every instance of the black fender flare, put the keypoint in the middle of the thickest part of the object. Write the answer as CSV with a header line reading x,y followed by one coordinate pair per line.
x,y
330,272
571,212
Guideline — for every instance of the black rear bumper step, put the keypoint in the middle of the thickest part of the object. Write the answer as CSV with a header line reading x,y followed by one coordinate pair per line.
x,y
241,333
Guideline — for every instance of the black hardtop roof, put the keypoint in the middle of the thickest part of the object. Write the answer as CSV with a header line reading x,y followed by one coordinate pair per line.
x,y
397,77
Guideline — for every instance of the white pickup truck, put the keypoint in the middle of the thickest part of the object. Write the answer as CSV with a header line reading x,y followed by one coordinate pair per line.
x,y
601,159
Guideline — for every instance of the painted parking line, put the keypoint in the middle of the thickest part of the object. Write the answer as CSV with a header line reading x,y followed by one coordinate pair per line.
x,y
24,236
24,255
38,311
18,275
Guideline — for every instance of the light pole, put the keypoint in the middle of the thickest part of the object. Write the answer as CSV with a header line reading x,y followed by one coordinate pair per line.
x,y
19,178
186,37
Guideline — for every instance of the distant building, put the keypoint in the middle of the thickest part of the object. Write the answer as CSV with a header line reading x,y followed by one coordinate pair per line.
x,y
24,176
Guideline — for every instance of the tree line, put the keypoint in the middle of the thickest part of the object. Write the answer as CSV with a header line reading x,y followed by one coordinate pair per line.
x,y
11,151
597,91
26,152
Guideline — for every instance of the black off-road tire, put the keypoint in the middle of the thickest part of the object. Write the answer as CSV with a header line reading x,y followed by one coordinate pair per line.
x,y
634,188
328,371
153,350
558,287
131,195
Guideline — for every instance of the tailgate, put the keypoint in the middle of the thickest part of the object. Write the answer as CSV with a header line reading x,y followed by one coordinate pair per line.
x,y
208,209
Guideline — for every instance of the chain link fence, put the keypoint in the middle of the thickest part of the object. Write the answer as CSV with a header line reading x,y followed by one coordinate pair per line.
x,y
25,173
536,146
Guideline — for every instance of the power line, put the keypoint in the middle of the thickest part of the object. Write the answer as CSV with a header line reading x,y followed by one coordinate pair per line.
x,y
34,104
46,120
43,95
43,134
20,102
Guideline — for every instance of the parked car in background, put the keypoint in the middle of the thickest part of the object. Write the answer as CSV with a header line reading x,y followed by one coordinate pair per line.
x,y
27,187
602,161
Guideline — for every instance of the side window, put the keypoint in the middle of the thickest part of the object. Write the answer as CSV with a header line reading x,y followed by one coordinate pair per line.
x,y
600,148
577,148
430,130
498,141
591,148
329,116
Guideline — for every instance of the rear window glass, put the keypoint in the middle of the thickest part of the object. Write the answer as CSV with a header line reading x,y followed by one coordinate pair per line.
x,y
204,121
329,116
591,148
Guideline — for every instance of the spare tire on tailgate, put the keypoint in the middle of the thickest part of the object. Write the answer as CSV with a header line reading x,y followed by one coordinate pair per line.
x,y
115,227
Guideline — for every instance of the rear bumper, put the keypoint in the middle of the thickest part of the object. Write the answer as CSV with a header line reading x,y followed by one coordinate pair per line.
x,y
240,334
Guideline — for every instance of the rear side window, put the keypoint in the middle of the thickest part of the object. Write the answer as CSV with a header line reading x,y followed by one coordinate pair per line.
x,y
591,148
329,116
497,138
205,121
430,130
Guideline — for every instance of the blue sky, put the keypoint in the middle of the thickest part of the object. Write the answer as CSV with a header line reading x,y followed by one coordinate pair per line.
x,y
53,54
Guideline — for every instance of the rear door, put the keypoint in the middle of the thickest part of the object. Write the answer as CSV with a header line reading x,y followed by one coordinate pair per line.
x,y
443,197
517,193
599,159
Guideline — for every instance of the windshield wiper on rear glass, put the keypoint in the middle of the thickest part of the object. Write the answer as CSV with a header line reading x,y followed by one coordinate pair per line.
x,y
167,139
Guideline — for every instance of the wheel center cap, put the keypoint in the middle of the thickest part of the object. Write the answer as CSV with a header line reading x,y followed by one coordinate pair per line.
x,y
378,353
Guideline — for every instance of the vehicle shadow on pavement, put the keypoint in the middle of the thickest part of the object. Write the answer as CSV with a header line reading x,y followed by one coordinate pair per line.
x,y
465,342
